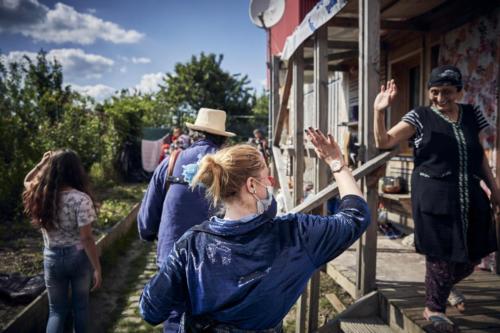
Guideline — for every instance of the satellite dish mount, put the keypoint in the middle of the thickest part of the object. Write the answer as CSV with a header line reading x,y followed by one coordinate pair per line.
x,y
266,13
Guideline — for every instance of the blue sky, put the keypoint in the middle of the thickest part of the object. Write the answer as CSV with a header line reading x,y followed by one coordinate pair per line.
x,y
109,45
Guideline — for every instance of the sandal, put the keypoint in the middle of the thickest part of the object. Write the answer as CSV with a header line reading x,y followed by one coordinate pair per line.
x,y
441,323
457,299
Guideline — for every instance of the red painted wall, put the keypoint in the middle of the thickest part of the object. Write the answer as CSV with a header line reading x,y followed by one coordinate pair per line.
x,y
295,11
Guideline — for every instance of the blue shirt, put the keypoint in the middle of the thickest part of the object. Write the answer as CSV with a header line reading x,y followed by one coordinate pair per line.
x,y
249,274
166,216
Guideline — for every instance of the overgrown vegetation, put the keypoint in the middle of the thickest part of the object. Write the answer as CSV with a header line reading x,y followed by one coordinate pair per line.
x,y
38,112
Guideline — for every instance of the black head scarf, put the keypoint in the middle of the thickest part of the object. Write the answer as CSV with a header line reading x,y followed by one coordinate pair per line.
x,y
446,75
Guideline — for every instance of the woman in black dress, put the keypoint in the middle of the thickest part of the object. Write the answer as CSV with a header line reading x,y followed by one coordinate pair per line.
x,y
452,213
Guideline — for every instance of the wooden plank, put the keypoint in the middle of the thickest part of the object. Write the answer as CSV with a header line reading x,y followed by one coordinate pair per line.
x,y
364,325
321,100
333,44
335,302
398,321
283,109
348,22
369,64
342,55
313,306
331,190
308,150
341,279
298,126
274,92
281,169
275,104
301,313
331,68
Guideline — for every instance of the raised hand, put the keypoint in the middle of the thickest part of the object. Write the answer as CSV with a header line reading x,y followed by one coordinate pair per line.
x,y
386,96
325,146
46,156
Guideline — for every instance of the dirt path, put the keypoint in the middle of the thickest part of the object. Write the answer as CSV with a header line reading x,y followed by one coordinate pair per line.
x,y
114,308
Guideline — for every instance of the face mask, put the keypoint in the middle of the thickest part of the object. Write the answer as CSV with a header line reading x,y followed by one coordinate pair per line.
x,y
264,204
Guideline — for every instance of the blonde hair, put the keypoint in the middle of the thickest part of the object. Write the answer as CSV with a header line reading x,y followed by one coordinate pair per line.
x,y
225,172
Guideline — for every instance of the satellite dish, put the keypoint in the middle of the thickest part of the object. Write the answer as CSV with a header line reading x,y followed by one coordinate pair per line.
x,y
266,13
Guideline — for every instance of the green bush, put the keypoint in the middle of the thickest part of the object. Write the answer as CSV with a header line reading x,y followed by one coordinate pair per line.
x,y
38,114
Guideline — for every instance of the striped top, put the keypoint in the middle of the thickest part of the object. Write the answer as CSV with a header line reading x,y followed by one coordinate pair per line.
x,y
413,119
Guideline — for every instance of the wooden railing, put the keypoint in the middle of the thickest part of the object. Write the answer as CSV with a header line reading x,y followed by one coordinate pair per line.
x,y
307,306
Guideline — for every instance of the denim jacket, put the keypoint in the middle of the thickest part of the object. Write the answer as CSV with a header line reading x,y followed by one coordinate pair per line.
x,y
166,216
248,274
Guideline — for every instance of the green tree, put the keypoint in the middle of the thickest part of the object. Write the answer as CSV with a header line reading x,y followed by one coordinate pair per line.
x,y
125,117
202,82
37,113
261,112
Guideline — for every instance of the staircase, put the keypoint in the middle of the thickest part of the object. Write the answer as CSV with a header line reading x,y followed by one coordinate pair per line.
x,y
363,316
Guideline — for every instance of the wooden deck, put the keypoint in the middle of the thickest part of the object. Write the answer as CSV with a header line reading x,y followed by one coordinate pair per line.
x,y
400,281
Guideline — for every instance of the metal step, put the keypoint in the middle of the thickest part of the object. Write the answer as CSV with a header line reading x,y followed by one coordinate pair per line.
x,y
364,325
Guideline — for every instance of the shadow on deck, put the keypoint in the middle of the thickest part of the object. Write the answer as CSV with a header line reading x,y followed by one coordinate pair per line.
x,y
401,290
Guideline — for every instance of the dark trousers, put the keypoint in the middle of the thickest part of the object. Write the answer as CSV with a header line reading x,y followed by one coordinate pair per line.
x,y
440,277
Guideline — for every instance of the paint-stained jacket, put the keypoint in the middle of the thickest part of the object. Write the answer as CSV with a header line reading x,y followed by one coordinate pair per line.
x,y
248,274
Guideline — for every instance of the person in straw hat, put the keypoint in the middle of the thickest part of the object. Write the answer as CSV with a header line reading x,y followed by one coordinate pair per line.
x,y
170,206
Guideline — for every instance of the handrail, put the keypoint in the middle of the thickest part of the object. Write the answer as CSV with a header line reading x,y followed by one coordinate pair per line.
x,y
317,200
331,190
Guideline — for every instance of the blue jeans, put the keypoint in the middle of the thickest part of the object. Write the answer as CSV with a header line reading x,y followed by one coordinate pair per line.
x,y
65,267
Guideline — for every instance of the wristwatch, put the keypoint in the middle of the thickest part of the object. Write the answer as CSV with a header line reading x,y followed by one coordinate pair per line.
x,y
336,165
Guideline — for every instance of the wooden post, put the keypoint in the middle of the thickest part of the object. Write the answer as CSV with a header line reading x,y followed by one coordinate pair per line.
x,y
321,169
298,126
369,67
281,170
300,313
274,95
321,99
283,108
312,325
301,317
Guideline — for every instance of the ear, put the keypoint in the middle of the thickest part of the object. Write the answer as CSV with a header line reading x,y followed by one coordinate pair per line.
x,y
250,185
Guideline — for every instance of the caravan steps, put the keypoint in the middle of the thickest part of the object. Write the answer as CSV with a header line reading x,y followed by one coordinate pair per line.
x,y
364,325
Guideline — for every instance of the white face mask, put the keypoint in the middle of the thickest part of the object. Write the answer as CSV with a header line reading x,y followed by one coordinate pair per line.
x,y
264,204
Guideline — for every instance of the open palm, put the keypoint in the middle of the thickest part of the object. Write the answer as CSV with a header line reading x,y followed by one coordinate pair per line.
x,y
386,96
325,146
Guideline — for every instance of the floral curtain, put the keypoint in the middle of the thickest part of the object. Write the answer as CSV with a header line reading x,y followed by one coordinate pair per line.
x,y
475,49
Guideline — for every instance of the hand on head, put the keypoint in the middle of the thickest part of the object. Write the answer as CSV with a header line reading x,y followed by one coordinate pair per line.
x,y
324,145
46,156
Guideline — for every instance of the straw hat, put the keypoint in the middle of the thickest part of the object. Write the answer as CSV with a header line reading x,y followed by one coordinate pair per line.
x,y
211,121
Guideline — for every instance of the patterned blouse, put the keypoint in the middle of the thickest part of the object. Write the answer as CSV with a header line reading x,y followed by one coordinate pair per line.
x,y
75,211
413,118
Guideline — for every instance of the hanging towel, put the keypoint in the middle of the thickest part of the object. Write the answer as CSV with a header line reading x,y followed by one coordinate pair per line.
x,y
150,153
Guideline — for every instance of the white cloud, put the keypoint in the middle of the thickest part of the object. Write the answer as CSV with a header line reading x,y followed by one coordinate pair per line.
x,y
141,60
263,83
61,24
150,83
99,91
75,62
123,69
